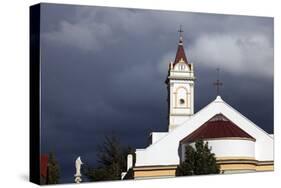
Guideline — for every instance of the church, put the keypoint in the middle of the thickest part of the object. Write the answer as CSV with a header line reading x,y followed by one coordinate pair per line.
x,y
238,144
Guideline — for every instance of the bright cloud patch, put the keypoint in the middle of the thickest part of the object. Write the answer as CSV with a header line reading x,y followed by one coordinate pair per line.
x,y
251,54
85,36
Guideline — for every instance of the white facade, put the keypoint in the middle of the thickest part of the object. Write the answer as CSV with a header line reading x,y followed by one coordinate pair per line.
x,y
166,151
181,93
155,136
223,148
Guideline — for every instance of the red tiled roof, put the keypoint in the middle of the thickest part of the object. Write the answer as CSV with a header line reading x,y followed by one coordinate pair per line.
x,y
180,55
43,165
217,127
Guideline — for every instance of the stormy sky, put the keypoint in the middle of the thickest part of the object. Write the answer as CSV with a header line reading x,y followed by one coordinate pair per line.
x,y
103,72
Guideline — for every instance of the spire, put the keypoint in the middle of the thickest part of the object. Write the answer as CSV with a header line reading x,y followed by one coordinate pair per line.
x,y
180,55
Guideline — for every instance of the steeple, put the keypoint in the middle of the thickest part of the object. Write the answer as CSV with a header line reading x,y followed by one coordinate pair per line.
x,y
180,85
180,55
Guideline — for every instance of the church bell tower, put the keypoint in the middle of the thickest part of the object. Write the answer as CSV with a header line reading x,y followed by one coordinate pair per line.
x,y
180,85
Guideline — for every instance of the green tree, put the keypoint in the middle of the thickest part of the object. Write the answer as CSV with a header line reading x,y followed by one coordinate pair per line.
x,y
53,170
199,160
112,160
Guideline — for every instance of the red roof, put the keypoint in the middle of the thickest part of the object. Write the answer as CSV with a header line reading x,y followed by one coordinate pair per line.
x,y
43,165
180,53
217,127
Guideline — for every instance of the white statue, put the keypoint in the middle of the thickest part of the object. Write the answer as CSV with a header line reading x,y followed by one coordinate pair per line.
x,y
78,175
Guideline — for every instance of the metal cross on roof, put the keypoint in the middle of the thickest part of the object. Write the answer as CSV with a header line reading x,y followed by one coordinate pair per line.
x,y
218,83
180,31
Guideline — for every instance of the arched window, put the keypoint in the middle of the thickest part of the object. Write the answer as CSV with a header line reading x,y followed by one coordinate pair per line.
x,y
181,95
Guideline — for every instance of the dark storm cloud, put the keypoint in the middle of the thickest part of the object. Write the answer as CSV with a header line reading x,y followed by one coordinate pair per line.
x,y
103,72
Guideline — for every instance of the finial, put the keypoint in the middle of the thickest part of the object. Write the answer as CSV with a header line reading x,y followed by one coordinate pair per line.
x,y
181,31
218,83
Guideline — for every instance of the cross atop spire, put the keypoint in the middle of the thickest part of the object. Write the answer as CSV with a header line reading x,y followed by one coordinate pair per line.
x,y
218,83
180,55
181,31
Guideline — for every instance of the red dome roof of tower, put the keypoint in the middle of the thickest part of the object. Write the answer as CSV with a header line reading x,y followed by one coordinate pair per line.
x,y
180,53
217,127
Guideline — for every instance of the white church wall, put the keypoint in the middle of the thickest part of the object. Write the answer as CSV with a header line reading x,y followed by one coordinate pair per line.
x,y
228,148
178,120
233,148
157,136
264,142
166,150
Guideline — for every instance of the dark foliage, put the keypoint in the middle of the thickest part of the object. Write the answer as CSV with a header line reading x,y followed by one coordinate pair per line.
x,y
112,159
53,170
199,160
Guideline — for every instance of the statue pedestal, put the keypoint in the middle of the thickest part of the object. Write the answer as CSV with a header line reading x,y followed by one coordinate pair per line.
x,y
78,178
